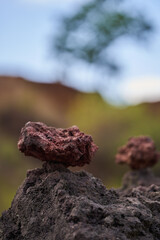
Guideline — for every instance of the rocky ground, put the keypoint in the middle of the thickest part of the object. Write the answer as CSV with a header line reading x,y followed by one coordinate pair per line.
x,y
54,203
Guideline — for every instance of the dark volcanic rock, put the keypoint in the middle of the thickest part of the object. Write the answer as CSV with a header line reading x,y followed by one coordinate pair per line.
x,y
138,153
142,177
54,203
67,146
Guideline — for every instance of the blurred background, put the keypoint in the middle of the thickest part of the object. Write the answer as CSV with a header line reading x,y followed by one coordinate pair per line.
x,y
90,63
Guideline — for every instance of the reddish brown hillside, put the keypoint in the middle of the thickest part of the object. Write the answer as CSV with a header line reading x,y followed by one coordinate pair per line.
x,y
60,106
58,93
22,100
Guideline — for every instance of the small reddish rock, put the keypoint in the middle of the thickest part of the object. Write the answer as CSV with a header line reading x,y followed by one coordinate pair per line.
x,y
67,146
138,153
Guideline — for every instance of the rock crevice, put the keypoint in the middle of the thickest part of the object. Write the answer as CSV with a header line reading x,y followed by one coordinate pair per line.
x,y
55,203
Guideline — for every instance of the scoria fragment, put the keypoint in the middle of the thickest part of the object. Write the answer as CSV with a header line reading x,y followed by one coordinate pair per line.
x,y
67,146
138,153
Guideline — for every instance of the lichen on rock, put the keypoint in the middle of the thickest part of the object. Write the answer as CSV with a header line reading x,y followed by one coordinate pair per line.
x,y
66,146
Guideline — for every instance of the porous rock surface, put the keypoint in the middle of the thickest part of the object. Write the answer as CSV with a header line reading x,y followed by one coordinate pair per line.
x,y
54,203
67,146
138,153
141,177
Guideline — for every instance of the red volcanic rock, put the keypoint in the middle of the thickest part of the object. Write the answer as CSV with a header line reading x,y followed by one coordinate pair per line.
x,y
138,153
67,146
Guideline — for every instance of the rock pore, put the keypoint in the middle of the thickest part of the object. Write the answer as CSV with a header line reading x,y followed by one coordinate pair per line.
x,y
69,147
54,203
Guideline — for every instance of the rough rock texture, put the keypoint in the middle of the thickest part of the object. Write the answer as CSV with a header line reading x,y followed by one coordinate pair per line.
x,y
68,146
142,177
54,203
138,153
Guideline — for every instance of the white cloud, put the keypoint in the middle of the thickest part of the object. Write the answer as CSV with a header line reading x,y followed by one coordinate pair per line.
x,y
140,90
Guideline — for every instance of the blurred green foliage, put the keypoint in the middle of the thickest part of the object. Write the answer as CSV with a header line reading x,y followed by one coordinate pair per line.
x,y
60,106
88,33
111,127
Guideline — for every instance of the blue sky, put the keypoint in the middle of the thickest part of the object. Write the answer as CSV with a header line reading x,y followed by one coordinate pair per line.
x,y
26,28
